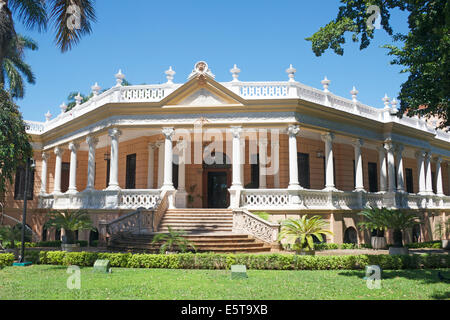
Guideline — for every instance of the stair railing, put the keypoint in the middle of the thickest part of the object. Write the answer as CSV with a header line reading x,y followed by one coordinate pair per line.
x,y
248,223
160,210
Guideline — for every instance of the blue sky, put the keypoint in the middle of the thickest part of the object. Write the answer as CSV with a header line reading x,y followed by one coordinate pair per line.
x,y
144,38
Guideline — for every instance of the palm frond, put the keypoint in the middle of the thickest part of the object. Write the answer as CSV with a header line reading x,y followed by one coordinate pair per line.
x,y
32,13
65,38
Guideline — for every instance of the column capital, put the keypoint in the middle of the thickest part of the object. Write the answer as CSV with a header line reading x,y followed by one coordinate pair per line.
x,y
381,149
45,156
73,146
439,159
358,142
421,153
293,130
168,132
236,131
114,133
92,141
389,146
58,151
327,137
181,144
152,145
429,155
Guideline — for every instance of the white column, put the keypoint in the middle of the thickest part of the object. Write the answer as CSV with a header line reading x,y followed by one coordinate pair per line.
x,y
92,144
168,158
293,165
400,176
151,165
428,178
236,184
329,182
181,166
383,168
181,195
359,179
420,155
262,163
45,157
58,164
389,146
73,147
276,162
160,147
114,167
242,162
439,181
236,165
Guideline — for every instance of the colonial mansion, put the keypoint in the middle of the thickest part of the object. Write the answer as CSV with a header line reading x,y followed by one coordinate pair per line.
x,y
208,157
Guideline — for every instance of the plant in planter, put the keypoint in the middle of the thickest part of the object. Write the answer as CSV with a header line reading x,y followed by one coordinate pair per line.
x,y
442,231
70,222
398,221
173,242
301,233
373,222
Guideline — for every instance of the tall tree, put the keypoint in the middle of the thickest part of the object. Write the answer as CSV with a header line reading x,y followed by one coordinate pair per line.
x,y
15,147
424,54
71,19
14,66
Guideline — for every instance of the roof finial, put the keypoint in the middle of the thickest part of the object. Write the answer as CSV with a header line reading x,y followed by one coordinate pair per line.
x,y
48,116
291,73
119,78
96,89
326,83
169,75
354,94
63,107
235,73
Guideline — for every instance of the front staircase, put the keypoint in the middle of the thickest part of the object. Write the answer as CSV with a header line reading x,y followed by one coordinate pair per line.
x,y
210,230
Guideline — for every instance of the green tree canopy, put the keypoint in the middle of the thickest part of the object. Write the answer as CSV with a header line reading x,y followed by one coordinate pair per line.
x,y
424,54
15,145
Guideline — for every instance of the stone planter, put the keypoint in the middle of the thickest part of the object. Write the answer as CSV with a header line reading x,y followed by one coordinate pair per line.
x,y
398,250
378,242
75,247
446,244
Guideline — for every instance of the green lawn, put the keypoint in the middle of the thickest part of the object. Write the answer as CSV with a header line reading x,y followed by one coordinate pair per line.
x,y
49,282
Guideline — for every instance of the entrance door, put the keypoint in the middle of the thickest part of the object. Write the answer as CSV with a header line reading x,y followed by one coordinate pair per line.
x,y
217,189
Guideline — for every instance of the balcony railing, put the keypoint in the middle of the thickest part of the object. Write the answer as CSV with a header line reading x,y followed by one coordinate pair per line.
x,y
283,199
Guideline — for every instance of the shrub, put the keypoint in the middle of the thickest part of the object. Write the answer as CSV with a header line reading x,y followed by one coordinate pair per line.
x,y
6,259
429,244
32,256
273,261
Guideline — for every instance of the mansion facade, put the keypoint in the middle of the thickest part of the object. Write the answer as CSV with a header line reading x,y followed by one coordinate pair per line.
x,y
279,147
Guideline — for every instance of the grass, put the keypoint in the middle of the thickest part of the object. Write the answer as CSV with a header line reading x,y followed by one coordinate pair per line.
x,y
49,282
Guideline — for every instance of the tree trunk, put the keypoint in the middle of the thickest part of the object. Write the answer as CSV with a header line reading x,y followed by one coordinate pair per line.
x,y
398,238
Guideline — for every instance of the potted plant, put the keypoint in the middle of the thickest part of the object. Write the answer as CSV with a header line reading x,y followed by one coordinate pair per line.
x,y
172,242
70,222
301,233
373,222
442,231
398,221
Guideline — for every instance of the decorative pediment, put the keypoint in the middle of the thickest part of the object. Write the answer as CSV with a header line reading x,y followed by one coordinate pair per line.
x,y
203,97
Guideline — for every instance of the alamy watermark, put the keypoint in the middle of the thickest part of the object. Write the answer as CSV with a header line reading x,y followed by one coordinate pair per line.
x,y
74,280
74,17
373,277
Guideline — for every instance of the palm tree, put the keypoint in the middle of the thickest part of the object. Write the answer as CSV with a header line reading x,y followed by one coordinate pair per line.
x,y
14,66
38,14
173,240
302,232
373,220
70,222
396,220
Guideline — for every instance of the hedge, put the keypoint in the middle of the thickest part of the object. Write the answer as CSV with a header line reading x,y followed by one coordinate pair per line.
x,y
6,259
273,261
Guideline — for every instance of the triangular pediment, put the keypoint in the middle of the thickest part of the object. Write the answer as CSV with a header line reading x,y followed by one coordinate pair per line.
x,y
203,97
203,91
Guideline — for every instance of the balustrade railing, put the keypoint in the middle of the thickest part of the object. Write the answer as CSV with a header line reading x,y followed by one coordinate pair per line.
x,y
245,222
279,199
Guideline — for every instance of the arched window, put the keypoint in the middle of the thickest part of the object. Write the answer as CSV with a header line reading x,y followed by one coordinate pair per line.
x,y
58,234
44,233
350,235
